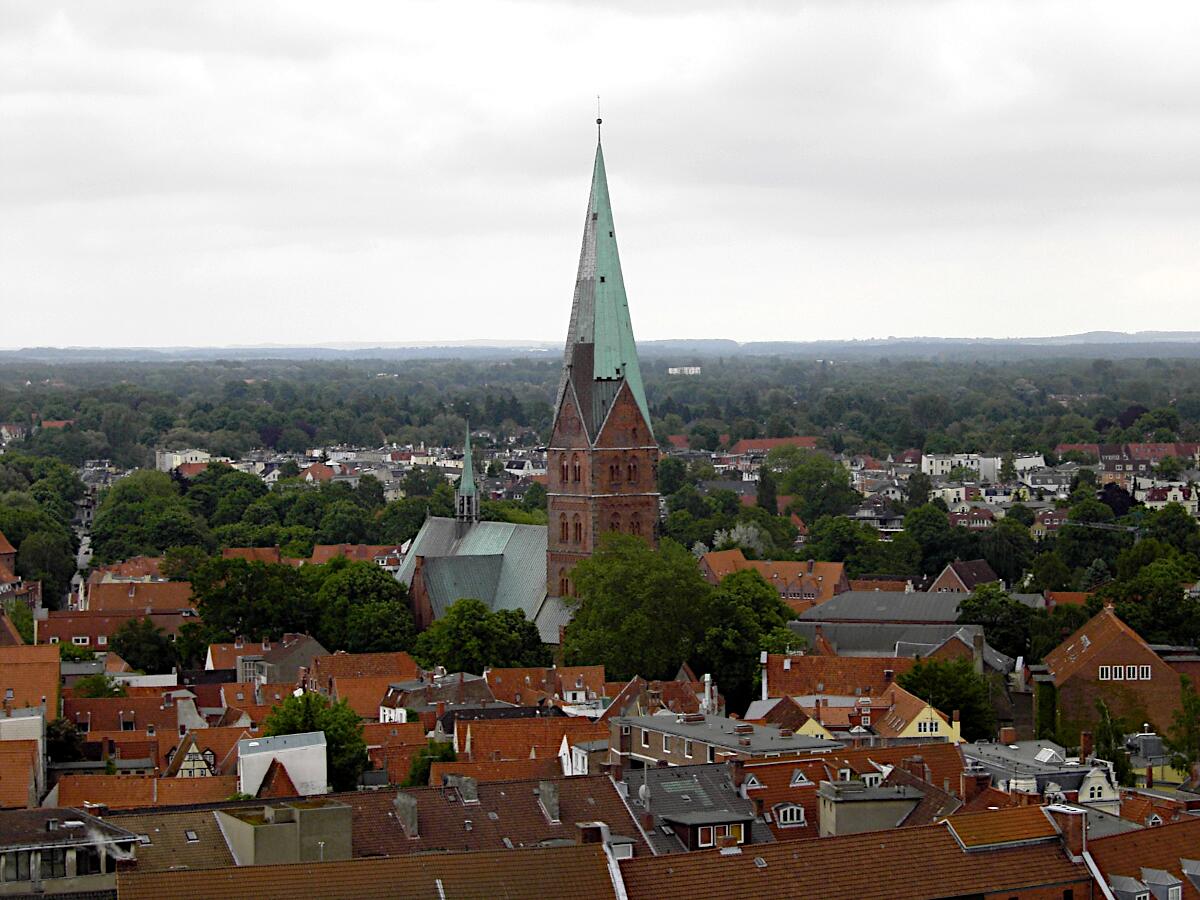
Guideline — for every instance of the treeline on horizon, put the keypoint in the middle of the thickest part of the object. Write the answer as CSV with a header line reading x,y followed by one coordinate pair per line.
x,y
122,411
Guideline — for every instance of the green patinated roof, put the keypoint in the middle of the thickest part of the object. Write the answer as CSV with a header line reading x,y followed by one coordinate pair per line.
x,y
466,484
600,309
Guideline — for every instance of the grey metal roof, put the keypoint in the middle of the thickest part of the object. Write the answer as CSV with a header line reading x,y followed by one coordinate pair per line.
x,y
281,742
719,731
499,563
887,606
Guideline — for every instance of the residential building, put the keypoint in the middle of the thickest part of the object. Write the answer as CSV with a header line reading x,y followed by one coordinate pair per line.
x,y
1042,768
963,577
51,851
602,461
29,677
167,460
1105,660
800,584
266,661
852,807
696,738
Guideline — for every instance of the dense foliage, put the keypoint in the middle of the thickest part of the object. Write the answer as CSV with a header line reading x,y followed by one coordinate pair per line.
x,y
345,749
470,637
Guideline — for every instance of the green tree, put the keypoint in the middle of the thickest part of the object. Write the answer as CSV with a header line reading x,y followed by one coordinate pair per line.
x,y
1154,604
64,743
1183,737
1050,573
1008,469
470,637
765,494
402,519
672,475
820,485
1169,468
343,522
916,491
535,497
949,685
180,562
48,557
145,646
1021,513
252,599
1006,622
345,750
100,685
433,751
1110,744
1008,548
625,592
360,594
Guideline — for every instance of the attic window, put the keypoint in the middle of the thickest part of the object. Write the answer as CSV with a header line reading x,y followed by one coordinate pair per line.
x,y
602,279
191,837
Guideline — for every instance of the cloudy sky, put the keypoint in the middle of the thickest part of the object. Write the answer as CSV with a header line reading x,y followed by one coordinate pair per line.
x,y
196,173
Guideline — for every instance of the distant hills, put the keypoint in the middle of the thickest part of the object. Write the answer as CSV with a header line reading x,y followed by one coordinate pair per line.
x,y
1107,344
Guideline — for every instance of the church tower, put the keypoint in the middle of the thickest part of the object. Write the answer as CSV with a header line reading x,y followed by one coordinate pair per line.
x,y
602,462
466,497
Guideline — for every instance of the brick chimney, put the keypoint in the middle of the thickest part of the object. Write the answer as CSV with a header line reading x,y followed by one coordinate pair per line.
x,y
1007,735
915,765
1073,825
738,767
1086,746
972,783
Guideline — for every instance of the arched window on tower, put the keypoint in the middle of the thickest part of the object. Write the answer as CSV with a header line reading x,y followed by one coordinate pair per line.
x,y
575,468
614,524
635,524
633,469
562,528
614,473
565,470
578,524
564,584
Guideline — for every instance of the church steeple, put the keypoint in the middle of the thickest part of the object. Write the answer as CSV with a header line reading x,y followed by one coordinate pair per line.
x,y
600,347
466,497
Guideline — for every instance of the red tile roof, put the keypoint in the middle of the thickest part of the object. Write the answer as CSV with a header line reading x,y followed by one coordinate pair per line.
x,y
1077,652
398,666
323,553
66,625
789,675
496,770
107,713
138,791
1153,848
138,596
252,554
995,827
762,445
568,873
901,864
5,546
362,694
812,580
18,768
490,739
31,672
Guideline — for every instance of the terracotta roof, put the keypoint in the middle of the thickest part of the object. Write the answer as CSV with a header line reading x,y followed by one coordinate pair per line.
x,y
107,713
18,767
873,866
875,584
135,745
169,848
276,783
191,469
818,579
497,770
992,798
391,747
9,636
1153,848
94,624
1078,651
323,553
362,694
903,708
490,739
399,666
996,827
252,554
137,791
137,596
134,567
1067,598
520,817
6,546
31,672
570,873
836,675
762,445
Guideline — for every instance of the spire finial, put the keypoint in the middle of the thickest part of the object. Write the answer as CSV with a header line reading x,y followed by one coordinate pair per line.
x,y
599,121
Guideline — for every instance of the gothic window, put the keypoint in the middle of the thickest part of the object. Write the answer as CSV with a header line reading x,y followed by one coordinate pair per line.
x,y
614,473
615,523
565,469
575,469
564,586
562,528
578,530
633,470
635,524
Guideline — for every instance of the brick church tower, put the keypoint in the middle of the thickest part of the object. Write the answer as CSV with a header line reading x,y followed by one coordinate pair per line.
x,y
603,460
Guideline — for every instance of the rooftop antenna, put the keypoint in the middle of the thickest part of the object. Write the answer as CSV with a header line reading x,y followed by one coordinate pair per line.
x,y
599,121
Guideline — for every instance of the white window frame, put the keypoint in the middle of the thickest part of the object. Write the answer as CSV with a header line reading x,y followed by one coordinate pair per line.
x,y
81,640
790,815
54,640
102,640
1175,892
1131,673
1118,673
687,747
711,836
866,721
1105,673
712,753
645,739
1144,673
666,743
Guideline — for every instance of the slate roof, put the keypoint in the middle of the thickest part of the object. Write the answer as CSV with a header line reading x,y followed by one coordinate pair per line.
x,y
973,572
570,873
169,847
500,563
887,606
900,864
721,732
30,828
683,793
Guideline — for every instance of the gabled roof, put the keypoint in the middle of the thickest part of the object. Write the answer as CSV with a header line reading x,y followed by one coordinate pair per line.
x,y
136,791
31,672
398,666
362,694
973,573
1166,847
999,827
18,766
570,873
490,739
763,445
136,596
169,845
6,546
835,675
1076,652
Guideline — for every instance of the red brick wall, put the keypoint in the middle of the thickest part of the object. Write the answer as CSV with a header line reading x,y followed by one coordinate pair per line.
x,y
1153,701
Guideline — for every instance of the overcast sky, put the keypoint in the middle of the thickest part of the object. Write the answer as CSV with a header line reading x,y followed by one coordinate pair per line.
x,y
196,173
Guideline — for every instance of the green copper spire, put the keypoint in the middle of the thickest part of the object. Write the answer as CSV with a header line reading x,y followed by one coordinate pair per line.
x,y
466,484
600,310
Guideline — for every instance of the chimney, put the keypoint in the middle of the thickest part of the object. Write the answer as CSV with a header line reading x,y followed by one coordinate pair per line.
x,y
1072,823
915,765
1007,735
406,813
708,695
1149,776
441,708
1086,747
739,772
977,652
972,783
548,795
